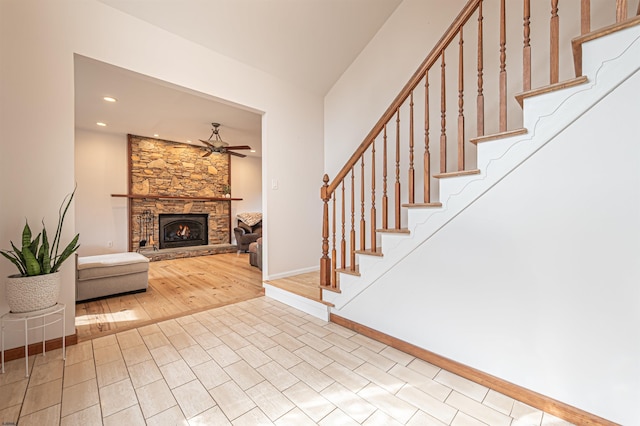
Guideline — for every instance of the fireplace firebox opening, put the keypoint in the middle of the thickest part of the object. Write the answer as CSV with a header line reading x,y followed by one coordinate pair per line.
x,y
183,230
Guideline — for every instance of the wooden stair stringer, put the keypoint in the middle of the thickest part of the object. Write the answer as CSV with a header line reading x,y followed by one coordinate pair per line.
x,y
546,116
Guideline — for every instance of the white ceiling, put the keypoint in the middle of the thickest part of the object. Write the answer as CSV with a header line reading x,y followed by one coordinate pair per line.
x,y
309,43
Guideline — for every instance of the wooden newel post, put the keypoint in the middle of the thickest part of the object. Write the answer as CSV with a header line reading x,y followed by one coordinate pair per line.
x,y
325,260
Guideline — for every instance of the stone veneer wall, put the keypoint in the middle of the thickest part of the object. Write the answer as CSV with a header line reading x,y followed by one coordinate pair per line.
x,y
165,168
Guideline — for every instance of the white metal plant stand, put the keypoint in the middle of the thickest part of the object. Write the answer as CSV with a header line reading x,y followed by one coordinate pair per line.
x,y
58,311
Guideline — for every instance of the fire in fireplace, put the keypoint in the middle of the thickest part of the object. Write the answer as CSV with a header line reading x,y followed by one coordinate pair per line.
x,y
183,230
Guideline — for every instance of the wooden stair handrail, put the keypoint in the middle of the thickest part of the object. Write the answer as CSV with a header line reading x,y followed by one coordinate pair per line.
x,y
460,20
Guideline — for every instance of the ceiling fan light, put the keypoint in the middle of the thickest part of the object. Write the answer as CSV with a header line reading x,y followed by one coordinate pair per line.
x,y
110,99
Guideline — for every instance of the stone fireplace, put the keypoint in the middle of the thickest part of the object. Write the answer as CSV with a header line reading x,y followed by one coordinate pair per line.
x,y
174,185
183,230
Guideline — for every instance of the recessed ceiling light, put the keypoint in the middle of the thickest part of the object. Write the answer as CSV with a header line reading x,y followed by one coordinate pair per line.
x,y
101,124
110,99
155,135
188,141
253,150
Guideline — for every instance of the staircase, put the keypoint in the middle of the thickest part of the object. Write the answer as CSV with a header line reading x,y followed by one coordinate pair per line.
x,y
425,169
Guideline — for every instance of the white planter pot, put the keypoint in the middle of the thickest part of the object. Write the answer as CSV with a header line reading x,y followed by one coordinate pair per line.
x,y
26,294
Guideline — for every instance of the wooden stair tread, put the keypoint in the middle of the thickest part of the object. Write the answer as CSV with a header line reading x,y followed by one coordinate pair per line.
x,y
576,43
520,97
496,136
393,231
369,252
455,174
422,205
332,289
348,271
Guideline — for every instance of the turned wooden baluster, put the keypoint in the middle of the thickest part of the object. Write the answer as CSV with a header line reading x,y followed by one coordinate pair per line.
x,y
427,154
334,277
373,197
480,97
526,50
325,261
398,194
621,10
343,243
554,48
363,223
352,233
460,103
503,67
385,198
412,175
443,117
585,16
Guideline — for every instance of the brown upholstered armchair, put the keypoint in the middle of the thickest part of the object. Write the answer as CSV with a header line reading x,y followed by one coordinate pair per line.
x,y
246,234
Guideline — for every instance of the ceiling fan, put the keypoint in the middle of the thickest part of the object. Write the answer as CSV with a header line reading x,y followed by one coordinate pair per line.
x,y
218,146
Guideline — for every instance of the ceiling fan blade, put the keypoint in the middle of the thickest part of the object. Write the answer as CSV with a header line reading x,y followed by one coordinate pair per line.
x,y
238,147
206,154
237,154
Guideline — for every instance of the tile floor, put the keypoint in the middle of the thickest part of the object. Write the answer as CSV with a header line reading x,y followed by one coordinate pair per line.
x,y
257,362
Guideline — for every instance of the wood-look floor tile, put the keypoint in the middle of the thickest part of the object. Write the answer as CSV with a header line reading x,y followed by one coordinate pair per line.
x,y
155,340
106,354
283,356
270,401
44,373
88,417
83,351
165,354
117,396
423,419
253,356
462,385
397,408
104,341
208,340
193,398
154,398
380,418
309,401
343,357
251,418
223,355
347,378
424,383
353,405
10,414
177,373
181,340
194,355
213,416
477,410
424,368
338,417
427,403
144,373
243,374
111,372
170,416
42,396
210,374
313,357
129,338
136,354
295,417
232,400
80,396
382,362
312,376
46,416
277,375
131,416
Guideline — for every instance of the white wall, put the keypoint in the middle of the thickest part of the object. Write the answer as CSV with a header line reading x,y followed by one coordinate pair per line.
x,y
541,292
101,170
37,118
246,183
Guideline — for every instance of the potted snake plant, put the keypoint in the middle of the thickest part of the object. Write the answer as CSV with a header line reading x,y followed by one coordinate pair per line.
x,y
37,284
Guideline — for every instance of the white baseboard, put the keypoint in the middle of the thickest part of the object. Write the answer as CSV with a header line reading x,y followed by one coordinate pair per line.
x,y
311,307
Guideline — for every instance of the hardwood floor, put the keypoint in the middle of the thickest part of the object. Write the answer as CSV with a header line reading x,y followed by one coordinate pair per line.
x,y
176,287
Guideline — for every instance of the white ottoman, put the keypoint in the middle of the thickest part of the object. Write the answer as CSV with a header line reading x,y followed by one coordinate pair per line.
x,y
111,274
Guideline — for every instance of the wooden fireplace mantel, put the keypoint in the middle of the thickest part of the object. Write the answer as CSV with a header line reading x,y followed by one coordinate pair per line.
x,y
173,197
